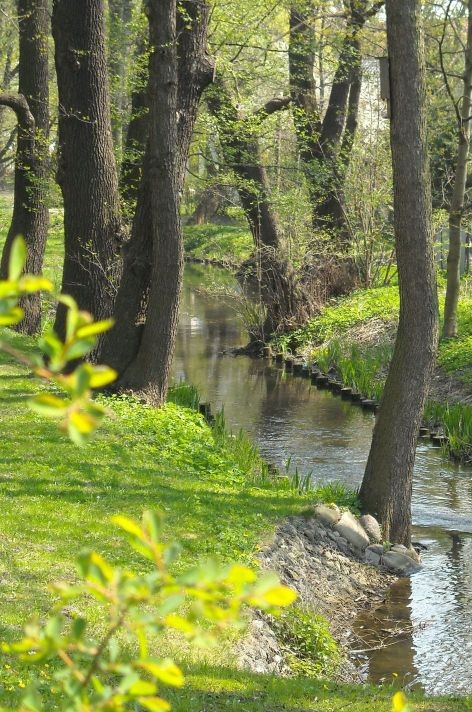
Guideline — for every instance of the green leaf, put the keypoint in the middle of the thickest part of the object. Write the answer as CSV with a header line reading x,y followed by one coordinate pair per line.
x,y
78,349
279,596
29,283
166,671
97,327
49,405
78,628
82,378
153,522
13,316
84,422
93,567
102,376
75,435
142,687
128,525
17,258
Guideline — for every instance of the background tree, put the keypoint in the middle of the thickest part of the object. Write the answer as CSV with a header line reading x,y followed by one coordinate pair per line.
x,y
464,115
325,141
30,211
180,69
387,484
93,231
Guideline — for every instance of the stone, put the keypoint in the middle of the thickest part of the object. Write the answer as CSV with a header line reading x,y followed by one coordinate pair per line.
x,y
373,554
328,515
349,528
372,528
408,552
400,563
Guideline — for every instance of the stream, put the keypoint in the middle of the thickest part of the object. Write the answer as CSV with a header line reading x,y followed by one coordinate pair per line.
x,y
422,633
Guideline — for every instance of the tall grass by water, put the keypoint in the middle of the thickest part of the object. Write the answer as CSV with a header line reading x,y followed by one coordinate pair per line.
x,y
456,421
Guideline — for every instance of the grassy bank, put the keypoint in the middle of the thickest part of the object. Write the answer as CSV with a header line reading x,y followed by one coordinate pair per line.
x,y
58,499
355,334
228,244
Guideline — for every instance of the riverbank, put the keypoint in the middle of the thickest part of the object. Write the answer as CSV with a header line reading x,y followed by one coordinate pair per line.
x,y
353,337
323,556
219,502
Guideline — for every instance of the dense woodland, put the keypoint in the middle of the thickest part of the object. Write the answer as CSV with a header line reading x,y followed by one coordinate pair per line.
x,y
317,149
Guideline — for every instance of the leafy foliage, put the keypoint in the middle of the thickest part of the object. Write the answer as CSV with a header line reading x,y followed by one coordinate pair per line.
x,y
309,646
77,413
98,674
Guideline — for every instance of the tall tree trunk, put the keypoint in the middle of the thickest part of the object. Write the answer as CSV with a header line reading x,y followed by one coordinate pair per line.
x,y
180,70
387,484
457,201
241,154
150,369
86,171
325,143
30,211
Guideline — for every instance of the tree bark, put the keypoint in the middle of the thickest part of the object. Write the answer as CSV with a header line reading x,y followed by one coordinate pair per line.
x,y
456,209
86,170
180,69
30,212
387,484
325,143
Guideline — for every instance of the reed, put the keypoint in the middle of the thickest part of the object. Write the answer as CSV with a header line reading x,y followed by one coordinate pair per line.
x,y
184,394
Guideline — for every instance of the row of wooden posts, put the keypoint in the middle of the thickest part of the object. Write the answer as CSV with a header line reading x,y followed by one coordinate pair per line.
x,y
327,381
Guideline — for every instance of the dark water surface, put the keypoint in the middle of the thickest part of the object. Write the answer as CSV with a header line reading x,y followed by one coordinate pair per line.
x,y
423,631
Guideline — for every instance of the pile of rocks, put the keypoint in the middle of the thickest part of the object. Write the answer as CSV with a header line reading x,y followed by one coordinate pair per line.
x,y
365,537
338,566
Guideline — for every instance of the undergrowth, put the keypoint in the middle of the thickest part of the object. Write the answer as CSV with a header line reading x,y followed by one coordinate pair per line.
x,y
308,645
222,243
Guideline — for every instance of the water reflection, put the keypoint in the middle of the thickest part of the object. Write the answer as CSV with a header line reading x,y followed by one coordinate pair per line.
x,y
289,418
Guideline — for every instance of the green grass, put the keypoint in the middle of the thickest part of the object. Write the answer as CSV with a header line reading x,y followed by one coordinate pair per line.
x,y
214,689
223,243
382,303
58,499
212,487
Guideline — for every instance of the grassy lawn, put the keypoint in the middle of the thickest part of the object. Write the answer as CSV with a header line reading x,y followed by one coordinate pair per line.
x,y
58,499
211,689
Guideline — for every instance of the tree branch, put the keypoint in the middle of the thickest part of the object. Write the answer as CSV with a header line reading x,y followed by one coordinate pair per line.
x,y
272,106
20,106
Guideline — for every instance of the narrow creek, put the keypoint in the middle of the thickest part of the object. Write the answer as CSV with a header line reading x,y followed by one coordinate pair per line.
x,y
422,634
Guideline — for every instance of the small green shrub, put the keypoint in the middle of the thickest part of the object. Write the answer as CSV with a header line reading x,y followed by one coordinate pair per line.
x,y
309,647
